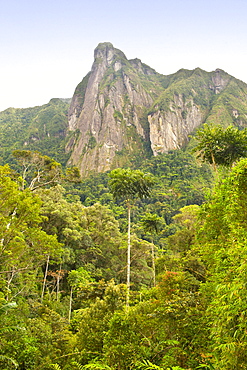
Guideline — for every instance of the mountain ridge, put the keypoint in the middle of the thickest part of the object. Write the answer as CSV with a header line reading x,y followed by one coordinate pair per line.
x,y
123,109
162,111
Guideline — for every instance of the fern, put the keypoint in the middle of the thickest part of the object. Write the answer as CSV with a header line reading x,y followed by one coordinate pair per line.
x,y
147,365
56,367
77,365
205,367
96,366
9,359
7,306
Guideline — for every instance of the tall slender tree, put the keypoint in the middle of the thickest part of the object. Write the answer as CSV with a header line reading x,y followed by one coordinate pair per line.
x,y
130,184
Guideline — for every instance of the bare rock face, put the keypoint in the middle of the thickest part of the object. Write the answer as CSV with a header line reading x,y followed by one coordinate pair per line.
x,y
170,129
122,107
219,81
187,106
113,101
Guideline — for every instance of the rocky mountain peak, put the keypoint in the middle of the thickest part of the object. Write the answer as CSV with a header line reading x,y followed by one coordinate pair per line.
x,y
105,56
141,67
123,108
106,109
220,80
106,53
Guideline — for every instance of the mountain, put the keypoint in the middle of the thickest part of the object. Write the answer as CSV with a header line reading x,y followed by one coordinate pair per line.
x,y
123,111
42,128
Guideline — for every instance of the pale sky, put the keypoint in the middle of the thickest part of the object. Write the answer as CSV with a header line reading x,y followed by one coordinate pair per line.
x,y
47,46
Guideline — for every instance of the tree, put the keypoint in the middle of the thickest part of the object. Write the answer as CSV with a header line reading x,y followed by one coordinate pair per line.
x,y
4,360
90,235
38,170
220,146
23,244
75,279
222,241
129,184
92,322
151,224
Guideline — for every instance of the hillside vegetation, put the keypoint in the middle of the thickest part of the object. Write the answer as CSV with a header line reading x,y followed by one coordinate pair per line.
x,y
41,128
63,272
139,267
123,112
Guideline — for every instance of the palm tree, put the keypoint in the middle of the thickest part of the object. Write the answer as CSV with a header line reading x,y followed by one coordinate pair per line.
x,y
130,184
151,224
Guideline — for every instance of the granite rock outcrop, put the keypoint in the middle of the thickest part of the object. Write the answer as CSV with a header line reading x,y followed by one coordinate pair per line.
x,y
123,109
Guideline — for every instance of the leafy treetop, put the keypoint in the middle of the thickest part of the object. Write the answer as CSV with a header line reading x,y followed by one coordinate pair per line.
x,y
220,146
127,183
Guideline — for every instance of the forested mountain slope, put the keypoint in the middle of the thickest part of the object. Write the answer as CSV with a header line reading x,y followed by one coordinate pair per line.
x,y
63,274
122,111
174,225
41,128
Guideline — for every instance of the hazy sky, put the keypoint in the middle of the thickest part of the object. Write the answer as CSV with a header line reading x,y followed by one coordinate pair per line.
x,y
47,45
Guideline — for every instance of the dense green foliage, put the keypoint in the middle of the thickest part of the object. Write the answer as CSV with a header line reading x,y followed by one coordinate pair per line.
x,y
63,271
38,128
129,184
220,99
220,146
63,241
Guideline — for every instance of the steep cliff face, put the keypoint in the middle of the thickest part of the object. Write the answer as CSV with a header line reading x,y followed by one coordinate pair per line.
x,y
123,107
123,111
170,130
108,115
182,107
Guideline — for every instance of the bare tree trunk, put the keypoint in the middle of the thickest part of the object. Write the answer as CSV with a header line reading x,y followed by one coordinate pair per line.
x,y
153,262
215,167
8,225
58,281
128,258
45,277
24,176
70,303
9,280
